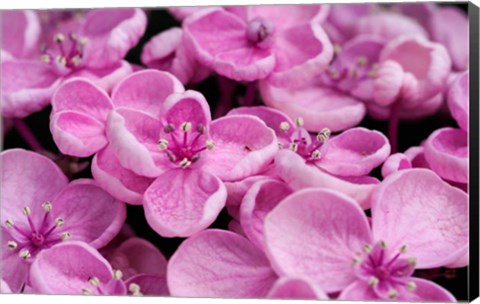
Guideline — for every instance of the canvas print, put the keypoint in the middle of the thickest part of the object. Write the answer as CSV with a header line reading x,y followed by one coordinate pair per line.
x,y
270,151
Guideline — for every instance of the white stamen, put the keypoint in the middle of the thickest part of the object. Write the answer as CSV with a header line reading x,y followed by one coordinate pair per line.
x,y
299,122
65,236
411,286
47,206
392,293
162,144
367,248
323,135
403,248
94,281
12,245
77,60
356,261
284,126
412,261
134,289
383,244
353,73
62,60
185,163
59,222
86,292
26,211
210,144
59,37
117,274
45,58
316,154
186,126
280,146
83,40
373,281
24,254
362,60
333,74
293,147
9,223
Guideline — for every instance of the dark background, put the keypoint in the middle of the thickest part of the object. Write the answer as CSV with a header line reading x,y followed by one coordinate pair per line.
x,y
410,134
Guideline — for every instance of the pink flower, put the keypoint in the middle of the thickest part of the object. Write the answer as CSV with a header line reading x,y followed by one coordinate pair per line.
x,y
257,42
418,221
40,209
77,268
166,52
93,48
446,25
341,162
217,263
79,119
446,149
189,156
342,18
23,34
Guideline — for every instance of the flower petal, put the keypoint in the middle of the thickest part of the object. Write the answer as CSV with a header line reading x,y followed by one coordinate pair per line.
x,y
244,146
458,100
355,152
295,288
358,290
138,256
77,134
287,16
189,106
416,208
4,288
14,269
181,202
21,32
449,26
146,91
28,179
226,49
320,107
121,183
298,175
133,137
27,86
67,267
260,199
150,284
108,77
446,151
295,64
332,228
225,265
394,163
427,291
111,33
91,215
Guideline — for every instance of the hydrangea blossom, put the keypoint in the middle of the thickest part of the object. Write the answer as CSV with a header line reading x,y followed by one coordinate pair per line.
x,y
256,42
40,209
89,47
77,268
340,251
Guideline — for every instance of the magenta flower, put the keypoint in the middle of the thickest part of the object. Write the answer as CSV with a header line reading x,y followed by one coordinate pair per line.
x,y
166,52
93,48
40,209
446,150
189,156
342,162
418,222
79,118
77,268
256,42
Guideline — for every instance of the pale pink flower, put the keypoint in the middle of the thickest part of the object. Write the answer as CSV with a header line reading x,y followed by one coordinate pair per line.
x,y
418,221
40,209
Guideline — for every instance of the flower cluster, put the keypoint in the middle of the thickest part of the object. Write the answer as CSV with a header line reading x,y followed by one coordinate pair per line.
x,y
269,142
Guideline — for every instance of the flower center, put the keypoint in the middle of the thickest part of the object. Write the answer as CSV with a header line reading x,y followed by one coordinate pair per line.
x,y
28,238
346,73
387,272
259,31
68,55
114,286
300,141
185,144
